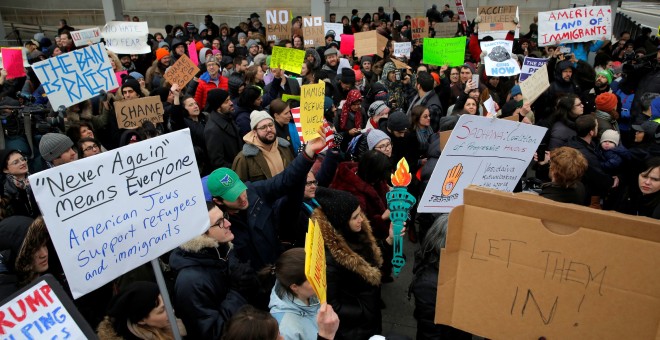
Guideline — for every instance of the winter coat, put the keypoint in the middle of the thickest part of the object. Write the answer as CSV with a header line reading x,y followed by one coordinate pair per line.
x,y
605,122
205,85
242,118
202,294
154,76
560,133
179,119
353,281
223,142
575,194
297,321
432,103
615,158
20,202
596,181
250,164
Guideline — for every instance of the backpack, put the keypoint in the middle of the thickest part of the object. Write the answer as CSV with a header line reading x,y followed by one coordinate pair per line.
x,y
358,146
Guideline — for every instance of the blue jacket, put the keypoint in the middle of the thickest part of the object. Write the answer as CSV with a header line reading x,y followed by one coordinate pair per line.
x,y
297,320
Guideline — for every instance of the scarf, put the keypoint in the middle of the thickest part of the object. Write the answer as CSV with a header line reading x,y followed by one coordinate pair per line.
x,y
19,183
273,157
353,96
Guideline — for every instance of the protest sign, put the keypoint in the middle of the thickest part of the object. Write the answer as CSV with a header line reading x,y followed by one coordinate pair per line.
x,y
441,51
347,44
192,51
131,113
289,59
493,153
278,24
42,310
113,212
445,29
498,58
315,269
369,43
461,14
313,32
12,62
181,72
489,104
86,37
531,65
127,37
419,28
334,28
572,25
402,49
312,98
400,64
535,85
497,21
551,270
72,77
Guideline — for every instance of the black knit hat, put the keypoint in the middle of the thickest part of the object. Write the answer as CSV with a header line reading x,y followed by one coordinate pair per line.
x,y
338,207
4,156
398,121
235,81
134,303
214,99
132,83
347,76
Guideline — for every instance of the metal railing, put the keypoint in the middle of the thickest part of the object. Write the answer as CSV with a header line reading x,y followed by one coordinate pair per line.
x,y
623,23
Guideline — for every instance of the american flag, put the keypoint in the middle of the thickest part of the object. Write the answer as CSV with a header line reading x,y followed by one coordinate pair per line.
x,y
329,133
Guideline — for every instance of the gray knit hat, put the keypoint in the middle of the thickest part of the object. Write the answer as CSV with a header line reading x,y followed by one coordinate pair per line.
x,y
242,35
257,116
374,137
376,108
53,145
330,51
251,43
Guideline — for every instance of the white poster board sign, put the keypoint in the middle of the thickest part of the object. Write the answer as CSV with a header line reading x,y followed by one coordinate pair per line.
x,y
127,37
572,25
402,49
72,77
112,212
336,28
86,37
531,65
534,86
492,153
498,58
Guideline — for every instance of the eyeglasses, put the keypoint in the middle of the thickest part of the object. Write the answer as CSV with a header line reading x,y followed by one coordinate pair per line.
x,y
220,224
91,147
384,146
18,161
579,104
310,183
266,127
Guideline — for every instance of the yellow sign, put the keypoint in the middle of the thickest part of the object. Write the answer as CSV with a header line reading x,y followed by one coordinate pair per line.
x,y
315,261
312,97
288,59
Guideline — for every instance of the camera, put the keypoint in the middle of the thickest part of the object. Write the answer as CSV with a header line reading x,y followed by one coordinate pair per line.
x,y
25,96
401,74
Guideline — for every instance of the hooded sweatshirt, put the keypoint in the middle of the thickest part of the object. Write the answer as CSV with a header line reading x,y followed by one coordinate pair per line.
x,y
297,321
272,155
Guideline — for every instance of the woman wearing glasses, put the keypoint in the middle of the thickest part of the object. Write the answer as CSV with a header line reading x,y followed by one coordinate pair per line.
x,y
88,146
17,197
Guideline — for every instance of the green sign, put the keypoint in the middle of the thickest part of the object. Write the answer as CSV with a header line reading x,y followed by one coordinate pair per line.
x,y
441,51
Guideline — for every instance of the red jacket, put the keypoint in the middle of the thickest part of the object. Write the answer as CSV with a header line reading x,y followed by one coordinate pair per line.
x,y
475,48
204,87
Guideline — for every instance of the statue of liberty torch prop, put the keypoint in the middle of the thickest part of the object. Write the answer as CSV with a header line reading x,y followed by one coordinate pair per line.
x,y
399,201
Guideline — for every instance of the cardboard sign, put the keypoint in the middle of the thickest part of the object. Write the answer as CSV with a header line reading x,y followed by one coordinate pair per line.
x,y
497,21
332,27
498,58
400,64
131,113
289,59
369,43
445,29
419,28
42,310
535,85
312,98
313,33
127,37
531,65
278,24
113,212
402,49
12,62
315,269
575,25
492,153
86,37
537,268
73,77
182,72
441,51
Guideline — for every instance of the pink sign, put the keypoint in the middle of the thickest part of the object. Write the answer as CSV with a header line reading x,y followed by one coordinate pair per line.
x,y
12,61
192,53
347,44
118,74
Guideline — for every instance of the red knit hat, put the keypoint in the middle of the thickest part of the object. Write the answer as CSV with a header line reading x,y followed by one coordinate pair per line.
x,y
199,45
606,102
161,52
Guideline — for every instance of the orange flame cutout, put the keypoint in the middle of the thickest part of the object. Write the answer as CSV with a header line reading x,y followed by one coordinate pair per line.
x,y
401,177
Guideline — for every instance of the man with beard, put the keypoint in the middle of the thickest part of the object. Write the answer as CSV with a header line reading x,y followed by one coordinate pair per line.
x,y
264,154
126,62
331,62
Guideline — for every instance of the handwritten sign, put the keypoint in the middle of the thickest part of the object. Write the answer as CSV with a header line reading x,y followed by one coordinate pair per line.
x,y
441,51
12,62
498,58
131,113
110,213
369,43
541,280
419,28
289,59
72,77
86,37
181,72
575,25
278,24
313,32
127,37
333,27
493,153
42,310
445,29
402,49
315,269
531,65
535,85
312,98
497,21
